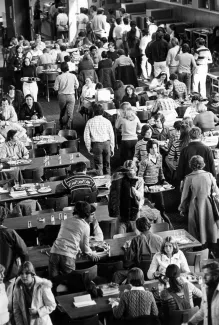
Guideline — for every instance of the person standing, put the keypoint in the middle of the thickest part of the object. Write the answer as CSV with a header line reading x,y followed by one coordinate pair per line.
x,y
117,33
36,17
209,311
172,63
4,314
99,140
203,58
65,84
145,65
29,71
99,24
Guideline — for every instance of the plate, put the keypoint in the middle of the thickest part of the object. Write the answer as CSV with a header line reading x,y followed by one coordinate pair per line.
x,y
32,192
44,190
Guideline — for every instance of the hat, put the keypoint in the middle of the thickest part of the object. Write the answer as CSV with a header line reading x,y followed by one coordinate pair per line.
x,y
83,209
172,271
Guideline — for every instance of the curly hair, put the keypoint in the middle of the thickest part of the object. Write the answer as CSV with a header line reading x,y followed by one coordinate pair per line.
x,y
169,239
196,163
143,224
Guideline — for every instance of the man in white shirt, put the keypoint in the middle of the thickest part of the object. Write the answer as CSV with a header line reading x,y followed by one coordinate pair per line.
x,y
145,65
151,26
203,58
118,32
99,140
62,24
82,20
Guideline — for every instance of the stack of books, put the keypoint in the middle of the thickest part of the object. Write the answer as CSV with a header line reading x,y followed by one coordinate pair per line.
x,y
109,289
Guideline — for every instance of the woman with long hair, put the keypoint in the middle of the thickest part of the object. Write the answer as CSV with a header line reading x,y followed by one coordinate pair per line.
x,y
213,104
205,120
158,82
130,125
130,96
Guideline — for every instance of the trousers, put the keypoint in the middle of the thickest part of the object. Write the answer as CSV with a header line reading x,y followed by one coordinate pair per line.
x,y
66,105
145,67
60,264
101,152
199,79
30,88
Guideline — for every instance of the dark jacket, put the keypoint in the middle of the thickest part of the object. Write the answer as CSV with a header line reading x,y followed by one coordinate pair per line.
x,y
105,64
107,78
157,51
26,113
85,65
12,246
161,136
127,75
195,148
17,102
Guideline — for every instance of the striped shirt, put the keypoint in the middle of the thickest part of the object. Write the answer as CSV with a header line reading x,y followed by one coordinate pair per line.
x,y
175,150
79,182
203,56
152,172
141,150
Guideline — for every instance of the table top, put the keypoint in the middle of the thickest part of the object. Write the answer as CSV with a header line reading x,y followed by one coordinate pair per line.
x,y
32,123
43,139
40,260
22,222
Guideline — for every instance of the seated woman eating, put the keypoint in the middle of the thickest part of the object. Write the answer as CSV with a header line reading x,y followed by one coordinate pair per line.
x,y
169,254
158,82
13,148
179,295
137,301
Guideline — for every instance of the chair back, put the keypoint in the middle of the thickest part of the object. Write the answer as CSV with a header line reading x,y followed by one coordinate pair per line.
x,y
194,259
36,213
73,144
29,236
106,270
159,227
68,134
50,148
38,152
143,115
127,234
54,172
83,195
64,151
34,174
57,203
93,320
177,317
49,235
108,228
49,125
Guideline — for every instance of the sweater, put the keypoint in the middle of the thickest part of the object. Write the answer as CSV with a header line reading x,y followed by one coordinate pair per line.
x,y
186,60
26,113
141,150
129,128
150,171
205,120
135,303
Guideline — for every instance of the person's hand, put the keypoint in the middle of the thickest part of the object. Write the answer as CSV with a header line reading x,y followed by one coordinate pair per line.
x,y
15,69
33,311
94,257
69,123
157,274
165,183
34,117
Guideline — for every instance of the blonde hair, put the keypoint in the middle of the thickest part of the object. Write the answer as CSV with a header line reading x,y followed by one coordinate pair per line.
x,y
129,114
201,107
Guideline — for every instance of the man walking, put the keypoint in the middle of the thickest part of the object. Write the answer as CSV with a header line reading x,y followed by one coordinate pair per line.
x,y
99,140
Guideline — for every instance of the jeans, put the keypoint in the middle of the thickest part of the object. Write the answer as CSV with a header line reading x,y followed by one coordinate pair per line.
x,y
66,104
173,69
127,150
200,79
101,152
60,264
186,78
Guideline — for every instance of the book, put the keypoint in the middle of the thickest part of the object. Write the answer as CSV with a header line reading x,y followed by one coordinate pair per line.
x,y
82,301
108,289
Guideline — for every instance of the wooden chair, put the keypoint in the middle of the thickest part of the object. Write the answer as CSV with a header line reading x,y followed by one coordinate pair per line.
x,y
54,172
127,234
50,148
83,195
106,270
159,227
194,259
57,203
29,236
177,317
36,213
73,144
68,134
38,152
108,228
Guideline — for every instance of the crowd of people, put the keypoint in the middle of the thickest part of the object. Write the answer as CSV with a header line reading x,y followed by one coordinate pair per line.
x,y
110,57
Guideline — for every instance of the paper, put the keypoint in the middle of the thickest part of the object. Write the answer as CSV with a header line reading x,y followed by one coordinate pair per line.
x,y
82,301
111,111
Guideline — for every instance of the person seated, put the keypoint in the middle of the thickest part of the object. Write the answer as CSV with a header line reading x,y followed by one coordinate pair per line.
x,y
169,88
130,96
45,58
34,54
158,82
82,40
41,45
7,112
54,52
105,62
87,96
15,98
137,301
205,120
62,54
31,110
13,148
169,254
94,55
167,106
6,126
141,145
119,92
179,295
213,104
86,63
71,65
175,133
191,111
179,88
160,132
122,60
112,53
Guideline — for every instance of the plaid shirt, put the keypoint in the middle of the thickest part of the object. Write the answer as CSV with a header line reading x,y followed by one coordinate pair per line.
x,y
179,89
98,129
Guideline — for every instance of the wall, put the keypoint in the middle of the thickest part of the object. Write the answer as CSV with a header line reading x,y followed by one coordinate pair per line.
x,y
2,7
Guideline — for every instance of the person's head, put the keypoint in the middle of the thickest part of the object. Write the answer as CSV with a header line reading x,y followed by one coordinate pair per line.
x,y
67,58
2,273
211,273
26,273
93,49
133,25
169,246
11,91
26,62
199,42
162,76
195,99
11,135
166,37
159,120
14,41
93,9
187,121
19,49
111,47
87,56
173,77
145,32
100,11
201,107
215,96
38,37
135,277
81,35
130,90
185,48
99,85
122,11
143,224
174,41
125,105
104,55
129,114
56,46
173,274
196,163
126,21
131,167
146,131
120,52
29,100
63,47
161,29
88,81
177,125
159,35
3,214
45,50
195,133
85,211
169,86
118,84
81,167
153,147
119,21
4,103
98,109
64,67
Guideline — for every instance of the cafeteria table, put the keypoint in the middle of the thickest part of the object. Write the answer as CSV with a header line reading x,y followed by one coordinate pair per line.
x,y
47,139
40,259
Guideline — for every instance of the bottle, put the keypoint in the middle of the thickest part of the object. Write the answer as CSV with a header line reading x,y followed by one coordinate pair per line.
x,y
60,216
52,219
65,216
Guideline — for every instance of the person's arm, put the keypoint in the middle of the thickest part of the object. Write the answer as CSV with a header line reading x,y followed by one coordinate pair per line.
x,y
153,84
24,152
194,66
184,197
153,268
61,189
137,104
138,127
142,168
39,110
56,85
87,138
139,189
137,156
168,59
115,65
98,234
216,119
20,247
112,137
199,316
184,268
48,299
118,123
76,83
13,115
118,311
196,292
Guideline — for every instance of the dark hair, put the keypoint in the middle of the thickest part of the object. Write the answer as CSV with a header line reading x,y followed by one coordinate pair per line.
x,y
188,121
143,224
184,136
145,31
160,116
145,128
63,47
100,11
167,37
161,29
185,48
118,84
195,133
4,99
28,267
159,35
126,20
11,87
104,40
93,7
104,55
135,277
82,34
132,88
17,47
83,209
3,214
29,95
173,76
122,10
98,109
170,240
200,41
196,162
173,273
150,144
99,85
64,67
121,52
67,58
10,135
196,97
93,47
213,267
133,23
61,10
80,167
161,74
118,21
177,125
168,84
172,27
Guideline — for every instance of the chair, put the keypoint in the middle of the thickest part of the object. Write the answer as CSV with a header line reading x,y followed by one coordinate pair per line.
x,y
73,144
143,115
36,213
51,126
57,203
54,172
108,228
106,270
127,234
28,235
83,195
177,317
50,148
38,152
194,259
34,174
68,134
49,80
158,227
65,151
56,178
49,234
143,320
144,265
